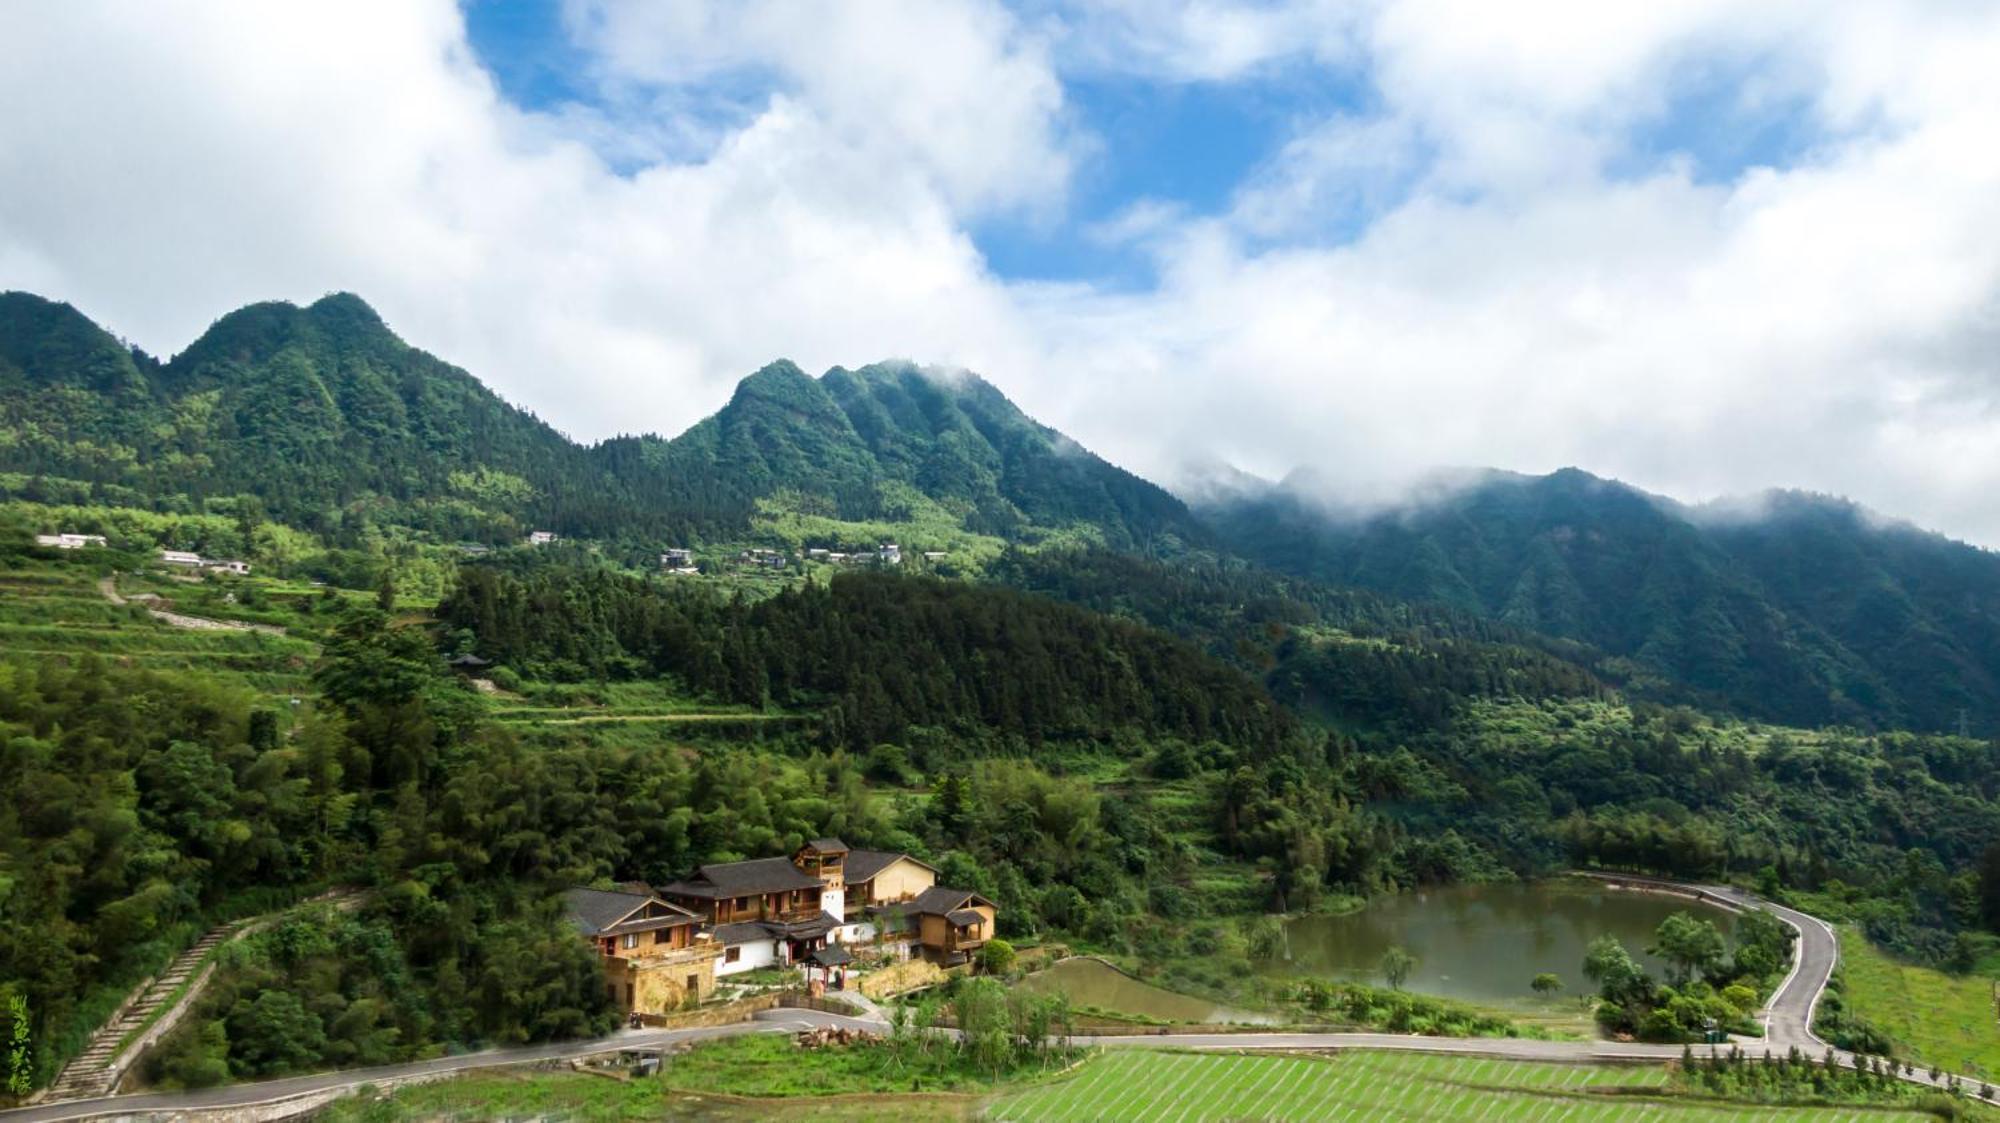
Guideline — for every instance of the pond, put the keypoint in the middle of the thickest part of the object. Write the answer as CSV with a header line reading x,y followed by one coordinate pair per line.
x,y
1093,983
1483,943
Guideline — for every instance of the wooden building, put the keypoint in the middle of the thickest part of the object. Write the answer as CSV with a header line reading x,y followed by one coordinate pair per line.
x,y
656,958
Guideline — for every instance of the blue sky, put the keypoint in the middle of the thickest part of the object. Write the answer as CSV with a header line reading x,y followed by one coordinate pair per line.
x,y
1185,143
1188,144
1704,247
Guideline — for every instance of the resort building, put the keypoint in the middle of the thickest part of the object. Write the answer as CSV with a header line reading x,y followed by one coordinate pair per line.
x,y
656,958
69,541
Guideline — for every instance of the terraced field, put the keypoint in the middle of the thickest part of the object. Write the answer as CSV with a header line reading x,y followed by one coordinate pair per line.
x,y
59,611
1189,1087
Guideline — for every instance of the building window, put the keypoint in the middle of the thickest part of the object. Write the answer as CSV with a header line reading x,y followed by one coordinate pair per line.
x,y
732,955
631,939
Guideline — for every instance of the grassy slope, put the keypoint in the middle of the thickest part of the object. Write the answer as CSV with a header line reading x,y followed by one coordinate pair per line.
x,y
1942,1020
1194,1087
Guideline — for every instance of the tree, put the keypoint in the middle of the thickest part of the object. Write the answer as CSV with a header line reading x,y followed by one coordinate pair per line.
x,y
1689,945
1397,964
1546,984
1619,978
997,957
20,1071
1989,887
275,1033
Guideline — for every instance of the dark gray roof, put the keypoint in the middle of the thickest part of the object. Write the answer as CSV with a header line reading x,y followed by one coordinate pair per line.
x,y
833,955
940,900
748,933
599,911
828,845
743,879
965,916
863,865
804,929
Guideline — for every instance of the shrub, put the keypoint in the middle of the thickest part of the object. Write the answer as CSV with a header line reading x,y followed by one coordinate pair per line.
x,y
997,957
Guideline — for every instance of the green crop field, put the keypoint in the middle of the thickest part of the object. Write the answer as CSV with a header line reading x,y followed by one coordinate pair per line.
x,y
58,609
1188,1087
1941,1020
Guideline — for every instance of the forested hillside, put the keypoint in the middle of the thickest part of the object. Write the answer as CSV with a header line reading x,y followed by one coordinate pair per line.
x,y
1346,656
883,654
840,445
1797,608
320,414
330,423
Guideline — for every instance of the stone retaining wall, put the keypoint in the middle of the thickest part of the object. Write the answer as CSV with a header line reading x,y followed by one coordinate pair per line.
x,y
908,975
728,1013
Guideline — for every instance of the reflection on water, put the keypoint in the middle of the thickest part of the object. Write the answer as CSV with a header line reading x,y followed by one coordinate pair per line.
x,y
1089,982
1483,943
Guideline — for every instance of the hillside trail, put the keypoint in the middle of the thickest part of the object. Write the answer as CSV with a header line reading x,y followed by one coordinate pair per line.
x,y
155,1007
109,587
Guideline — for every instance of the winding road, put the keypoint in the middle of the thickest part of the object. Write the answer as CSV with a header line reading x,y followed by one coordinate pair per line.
x,y
1787,1020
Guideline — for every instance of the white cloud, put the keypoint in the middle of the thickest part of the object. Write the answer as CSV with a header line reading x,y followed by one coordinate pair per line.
x,y
172,161
1469,269
960,90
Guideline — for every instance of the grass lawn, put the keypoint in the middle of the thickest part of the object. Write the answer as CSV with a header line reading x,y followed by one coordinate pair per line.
x,y
1189,1087
583,1098
1942,1020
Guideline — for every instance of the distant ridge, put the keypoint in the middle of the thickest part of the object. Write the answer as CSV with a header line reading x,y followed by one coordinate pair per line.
x,y
1792,607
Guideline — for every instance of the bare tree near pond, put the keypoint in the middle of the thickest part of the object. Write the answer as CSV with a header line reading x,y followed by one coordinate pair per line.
x,y
1396,967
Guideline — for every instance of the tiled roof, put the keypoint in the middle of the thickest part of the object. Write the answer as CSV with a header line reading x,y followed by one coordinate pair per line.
x,y
965,916
939,900
862,865
749,933
744,879
600,911
828,845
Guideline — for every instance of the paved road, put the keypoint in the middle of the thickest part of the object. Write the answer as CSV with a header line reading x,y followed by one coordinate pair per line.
x,y
1788,1022
1789,1016
269,1091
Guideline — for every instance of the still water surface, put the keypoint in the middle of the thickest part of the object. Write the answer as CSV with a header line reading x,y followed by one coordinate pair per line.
x,y
1483,943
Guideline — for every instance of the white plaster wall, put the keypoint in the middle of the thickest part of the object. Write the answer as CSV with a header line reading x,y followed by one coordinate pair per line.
x,y
755,954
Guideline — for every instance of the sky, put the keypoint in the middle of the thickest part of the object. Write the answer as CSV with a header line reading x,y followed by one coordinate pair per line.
x,y
1704,247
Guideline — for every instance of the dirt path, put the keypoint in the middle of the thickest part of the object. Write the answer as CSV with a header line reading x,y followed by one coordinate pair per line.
x,y
109,587
602,719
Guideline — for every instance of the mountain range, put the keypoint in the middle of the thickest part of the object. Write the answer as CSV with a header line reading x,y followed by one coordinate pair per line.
x,y
1797,607
326,417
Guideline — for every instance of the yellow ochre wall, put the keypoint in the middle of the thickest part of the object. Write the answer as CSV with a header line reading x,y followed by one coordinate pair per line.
x,y
899,881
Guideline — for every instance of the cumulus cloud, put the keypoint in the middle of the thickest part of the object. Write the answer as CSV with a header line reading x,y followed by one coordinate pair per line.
x,y
169,162
1491,258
